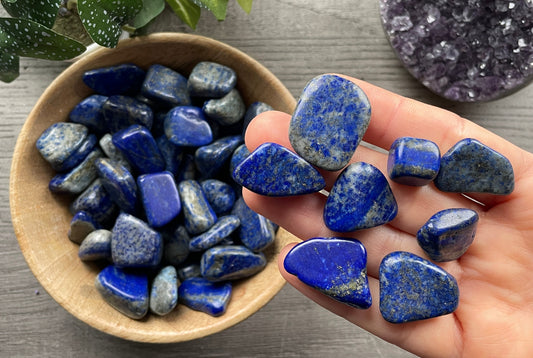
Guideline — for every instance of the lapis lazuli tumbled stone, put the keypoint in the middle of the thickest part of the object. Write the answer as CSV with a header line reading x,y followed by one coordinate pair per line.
x,y
210,79
412,288
79,155
361,198
119,183
202,295
77,179
274,170
160,197
176,246
220,195
224,226
448,234
329,121
227,110
210,158
164,291
172,154
231,262
125,291
255,232
413,161
120,112
253,111
140,149
96,246
188,271
115,80
97,202
198,214
335,266
81,225
187,126
134,243
237,157
59,141
89,113
472,167
165,86
106,143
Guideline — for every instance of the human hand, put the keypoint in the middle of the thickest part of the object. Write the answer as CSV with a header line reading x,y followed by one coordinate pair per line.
x,y
495,312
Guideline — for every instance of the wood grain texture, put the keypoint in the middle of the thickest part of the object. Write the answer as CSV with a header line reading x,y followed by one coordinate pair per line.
x,y
296,40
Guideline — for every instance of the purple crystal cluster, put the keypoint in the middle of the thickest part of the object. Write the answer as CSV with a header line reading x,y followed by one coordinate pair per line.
x,y
463,50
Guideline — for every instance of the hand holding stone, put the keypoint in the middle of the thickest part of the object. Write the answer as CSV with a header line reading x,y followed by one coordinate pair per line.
x,y
496,294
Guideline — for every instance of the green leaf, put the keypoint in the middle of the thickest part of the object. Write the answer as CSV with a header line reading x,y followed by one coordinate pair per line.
x,y
151,8
246,5
187,11
103,19
28,38
9,67
217,7
44,11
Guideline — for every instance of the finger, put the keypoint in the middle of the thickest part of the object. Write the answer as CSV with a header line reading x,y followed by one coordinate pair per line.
x,y
412,336
415,204
395,116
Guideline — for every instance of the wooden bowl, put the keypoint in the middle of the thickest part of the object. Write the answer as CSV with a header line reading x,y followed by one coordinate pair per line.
x,y
41,220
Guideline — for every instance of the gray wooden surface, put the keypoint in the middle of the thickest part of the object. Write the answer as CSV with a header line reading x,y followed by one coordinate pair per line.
x,y
295,39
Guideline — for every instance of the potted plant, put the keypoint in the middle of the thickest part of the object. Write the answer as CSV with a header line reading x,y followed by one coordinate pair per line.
x,y
62,30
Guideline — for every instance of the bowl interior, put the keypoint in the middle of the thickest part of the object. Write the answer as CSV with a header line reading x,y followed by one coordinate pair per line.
x,y
41,220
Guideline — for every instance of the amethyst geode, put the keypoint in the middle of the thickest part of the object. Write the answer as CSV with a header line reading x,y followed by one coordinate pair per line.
x,y
463,50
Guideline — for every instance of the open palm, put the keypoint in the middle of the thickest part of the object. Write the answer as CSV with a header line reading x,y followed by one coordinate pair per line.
x,y
495,313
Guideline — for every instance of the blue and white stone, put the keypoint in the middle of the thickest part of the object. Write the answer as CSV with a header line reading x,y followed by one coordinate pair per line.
x,y
89,113
210,158
413,161
273,170
164,291
334,266
237,157
120,112
187,271
140,149
202,295
472,167
256,232
198,214
77,179
79,155
134,243
231,262
97,202
81,225
210,79
126,291
119,183
220,195
413,288
172,154
115,80
96,246
329,121
448,234
111,151
227,110
176,246
59,141
361,198
253,111
165,87
224,226
160,198
187,126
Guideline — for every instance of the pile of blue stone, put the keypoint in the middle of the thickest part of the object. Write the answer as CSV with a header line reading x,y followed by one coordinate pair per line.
x,y
147,160
330,119
475,50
